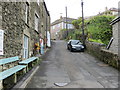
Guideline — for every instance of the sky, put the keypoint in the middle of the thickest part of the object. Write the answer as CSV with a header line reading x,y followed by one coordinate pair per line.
x,y
91,7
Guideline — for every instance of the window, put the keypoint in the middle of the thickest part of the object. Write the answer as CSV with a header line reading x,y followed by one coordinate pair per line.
x,y
38,1
59,24
64,25
36,22
26,12
70,26
53,27
25,54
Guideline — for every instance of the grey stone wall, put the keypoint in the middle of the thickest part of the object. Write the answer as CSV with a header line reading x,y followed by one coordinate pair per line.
x,y
1,20
0,15
12,21
34,35
102,54
119,31
13,26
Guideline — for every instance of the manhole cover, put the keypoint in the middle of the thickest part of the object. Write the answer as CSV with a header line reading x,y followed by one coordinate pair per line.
x,y
60,84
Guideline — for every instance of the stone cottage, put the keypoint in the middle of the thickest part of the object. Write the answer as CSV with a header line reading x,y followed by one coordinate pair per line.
x,y
22,25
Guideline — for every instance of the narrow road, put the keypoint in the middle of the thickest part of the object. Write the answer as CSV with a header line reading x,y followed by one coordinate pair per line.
x,y
78,69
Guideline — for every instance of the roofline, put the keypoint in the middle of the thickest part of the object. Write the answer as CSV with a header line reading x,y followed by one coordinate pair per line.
x,y
46,8
60,20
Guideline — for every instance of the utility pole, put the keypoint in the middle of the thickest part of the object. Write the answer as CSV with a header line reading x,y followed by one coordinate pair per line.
x,y
61,14
83,35
66,22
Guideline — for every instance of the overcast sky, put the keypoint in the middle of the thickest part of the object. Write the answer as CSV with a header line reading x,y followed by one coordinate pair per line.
x,y
91,7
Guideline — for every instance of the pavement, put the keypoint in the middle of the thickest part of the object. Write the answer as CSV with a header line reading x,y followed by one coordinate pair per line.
x,y
77,69
25,80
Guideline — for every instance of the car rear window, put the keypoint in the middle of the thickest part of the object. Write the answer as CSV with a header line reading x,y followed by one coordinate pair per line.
x,y
75,42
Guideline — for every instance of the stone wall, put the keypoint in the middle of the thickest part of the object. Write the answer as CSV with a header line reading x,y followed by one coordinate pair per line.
x,y
0,15
109,58
102,54
1,20
13,26
13,22
34,35
119,31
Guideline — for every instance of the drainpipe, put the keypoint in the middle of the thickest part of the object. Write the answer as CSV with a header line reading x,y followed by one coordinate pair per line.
x,y
66,22
46,29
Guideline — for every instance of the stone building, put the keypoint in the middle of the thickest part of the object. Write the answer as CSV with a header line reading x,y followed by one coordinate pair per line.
x,y
60,24
45,23
111,11
23,24
114,41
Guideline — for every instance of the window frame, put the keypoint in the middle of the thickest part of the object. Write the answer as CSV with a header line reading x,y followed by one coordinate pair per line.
x,y
26,12
36,22
38,2
26,47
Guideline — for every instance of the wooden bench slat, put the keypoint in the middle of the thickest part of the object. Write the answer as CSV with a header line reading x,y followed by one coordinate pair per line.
x,y
8,60
28,60
11,71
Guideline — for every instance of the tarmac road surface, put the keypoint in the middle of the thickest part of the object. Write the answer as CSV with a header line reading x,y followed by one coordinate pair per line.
x,y
76,69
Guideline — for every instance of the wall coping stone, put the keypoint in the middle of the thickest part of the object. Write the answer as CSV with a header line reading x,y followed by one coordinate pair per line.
x,y
108,51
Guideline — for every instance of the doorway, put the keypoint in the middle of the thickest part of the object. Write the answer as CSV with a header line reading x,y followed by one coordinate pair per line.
x,y
26,49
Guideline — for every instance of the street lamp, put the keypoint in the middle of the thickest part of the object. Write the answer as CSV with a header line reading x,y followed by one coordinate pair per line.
x,y
83,35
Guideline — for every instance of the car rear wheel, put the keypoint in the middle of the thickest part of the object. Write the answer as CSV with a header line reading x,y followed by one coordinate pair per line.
x,y
67,48
71,49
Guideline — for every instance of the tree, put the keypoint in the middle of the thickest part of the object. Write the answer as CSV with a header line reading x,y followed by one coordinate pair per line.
x,y
99,28
96,28
76,23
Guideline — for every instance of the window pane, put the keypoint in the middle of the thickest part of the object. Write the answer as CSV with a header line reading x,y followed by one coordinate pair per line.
x,y
25,55
36,22
26,12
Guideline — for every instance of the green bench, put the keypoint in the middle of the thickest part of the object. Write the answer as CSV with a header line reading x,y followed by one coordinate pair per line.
x,y
10,70
28,61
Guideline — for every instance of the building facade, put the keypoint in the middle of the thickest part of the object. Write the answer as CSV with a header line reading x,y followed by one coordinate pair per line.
x,y
114,47
23,24
45,24
111,11
60,24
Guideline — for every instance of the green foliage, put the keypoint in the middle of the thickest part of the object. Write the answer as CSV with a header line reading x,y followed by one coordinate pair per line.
x,y
93,40
63,30
96,28
99,28
76,23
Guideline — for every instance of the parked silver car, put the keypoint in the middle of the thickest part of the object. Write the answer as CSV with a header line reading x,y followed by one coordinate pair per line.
x,y
75,45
